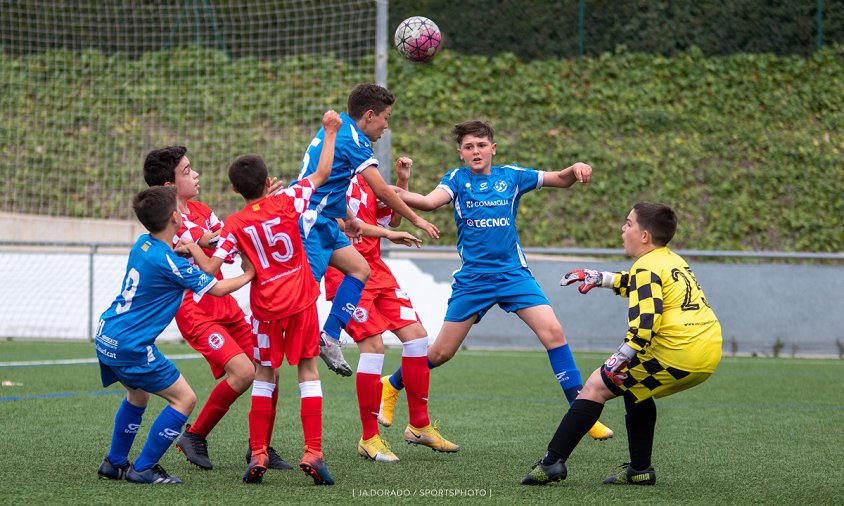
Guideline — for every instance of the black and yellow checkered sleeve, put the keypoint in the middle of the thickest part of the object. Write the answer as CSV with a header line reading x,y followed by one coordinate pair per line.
x,y
621,283
645,308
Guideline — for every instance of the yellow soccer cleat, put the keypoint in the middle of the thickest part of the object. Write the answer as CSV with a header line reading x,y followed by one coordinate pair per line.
x,y
389,397
600,432
376,449
429,436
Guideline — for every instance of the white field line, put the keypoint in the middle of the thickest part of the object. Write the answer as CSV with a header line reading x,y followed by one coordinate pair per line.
x,y
74,361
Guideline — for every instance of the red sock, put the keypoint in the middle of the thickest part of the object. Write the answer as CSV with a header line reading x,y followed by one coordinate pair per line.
x,y
272,416
417,379
215,408
369,401
259,419
311,414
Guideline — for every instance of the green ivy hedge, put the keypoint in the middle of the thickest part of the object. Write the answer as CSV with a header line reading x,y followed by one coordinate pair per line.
x,y
541,29
747,148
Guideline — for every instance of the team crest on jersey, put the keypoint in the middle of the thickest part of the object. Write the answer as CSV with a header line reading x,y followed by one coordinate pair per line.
x,y
360,315
216,341
500,186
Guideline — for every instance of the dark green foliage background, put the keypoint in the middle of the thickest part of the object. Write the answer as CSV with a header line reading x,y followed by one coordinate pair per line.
x,y
542,29
747,148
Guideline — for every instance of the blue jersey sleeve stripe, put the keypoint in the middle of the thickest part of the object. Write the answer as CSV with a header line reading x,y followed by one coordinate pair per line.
x,y
447,189
365,165
197,296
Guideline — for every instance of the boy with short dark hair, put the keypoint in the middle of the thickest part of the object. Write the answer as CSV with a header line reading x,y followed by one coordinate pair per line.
x,y
215,327
153,286
268,231
369,109
494,269
673,343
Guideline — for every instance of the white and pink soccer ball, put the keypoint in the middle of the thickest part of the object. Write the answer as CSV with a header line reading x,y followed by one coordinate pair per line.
x,y
418,39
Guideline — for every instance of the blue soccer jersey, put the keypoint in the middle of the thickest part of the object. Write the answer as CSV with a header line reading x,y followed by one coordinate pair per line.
x,y
485,208
153,287
352,154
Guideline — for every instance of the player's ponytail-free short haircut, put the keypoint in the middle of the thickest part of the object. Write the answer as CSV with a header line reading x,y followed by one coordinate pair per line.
x,y
368,96
660,220
248,175
160,165
154,207
475,127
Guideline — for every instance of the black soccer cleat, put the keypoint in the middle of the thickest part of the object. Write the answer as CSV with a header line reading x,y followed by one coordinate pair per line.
x,y
540,474
109,471
156,475
276,462
629,476
195,449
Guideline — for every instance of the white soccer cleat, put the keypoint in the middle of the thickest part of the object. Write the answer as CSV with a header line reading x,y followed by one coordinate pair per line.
x,y
332,355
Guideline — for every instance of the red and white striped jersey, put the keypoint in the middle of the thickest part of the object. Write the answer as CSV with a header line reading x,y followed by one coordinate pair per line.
x,y
196,222
368,209
267,232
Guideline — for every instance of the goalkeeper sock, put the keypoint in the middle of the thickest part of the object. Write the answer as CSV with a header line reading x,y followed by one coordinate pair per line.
x,y
345,302
127,421
575,424
562,363
163,432
397,380
641,422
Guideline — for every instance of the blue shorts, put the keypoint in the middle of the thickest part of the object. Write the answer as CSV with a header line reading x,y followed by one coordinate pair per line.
x,y
151,377
474,293
321,236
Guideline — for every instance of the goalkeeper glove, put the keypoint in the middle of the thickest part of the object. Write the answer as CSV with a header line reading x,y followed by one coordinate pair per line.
x,y
590,279
618,361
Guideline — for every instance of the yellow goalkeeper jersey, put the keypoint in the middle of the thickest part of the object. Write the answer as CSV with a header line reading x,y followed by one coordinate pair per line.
x,y
669,317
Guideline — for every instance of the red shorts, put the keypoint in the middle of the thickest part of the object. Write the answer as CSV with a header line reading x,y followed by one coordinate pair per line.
x,y
295,337
380,310
220,342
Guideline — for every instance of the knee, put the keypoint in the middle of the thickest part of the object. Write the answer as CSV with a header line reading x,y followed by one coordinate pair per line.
x,y
439,357
137,398
362,272
552,335
241,374
186,402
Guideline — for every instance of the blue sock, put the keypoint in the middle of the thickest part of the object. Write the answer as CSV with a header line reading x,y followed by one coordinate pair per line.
x,y
126,424
345,301
562,363
165,429
396,378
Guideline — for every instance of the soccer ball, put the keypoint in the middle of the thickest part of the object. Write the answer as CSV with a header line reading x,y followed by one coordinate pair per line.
x,y
418,39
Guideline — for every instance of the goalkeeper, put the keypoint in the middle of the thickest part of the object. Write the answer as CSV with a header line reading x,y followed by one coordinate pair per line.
x,y
673,343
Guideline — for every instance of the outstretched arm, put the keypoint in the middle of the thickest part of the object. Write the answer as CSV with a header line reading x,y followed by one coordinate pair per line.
x,y
403,166
386,195
434,200
577,173
331,122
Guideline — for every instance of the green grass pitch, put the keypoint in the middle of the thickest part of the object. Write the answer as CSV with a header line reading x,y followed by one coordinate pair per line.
x,y
760,431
